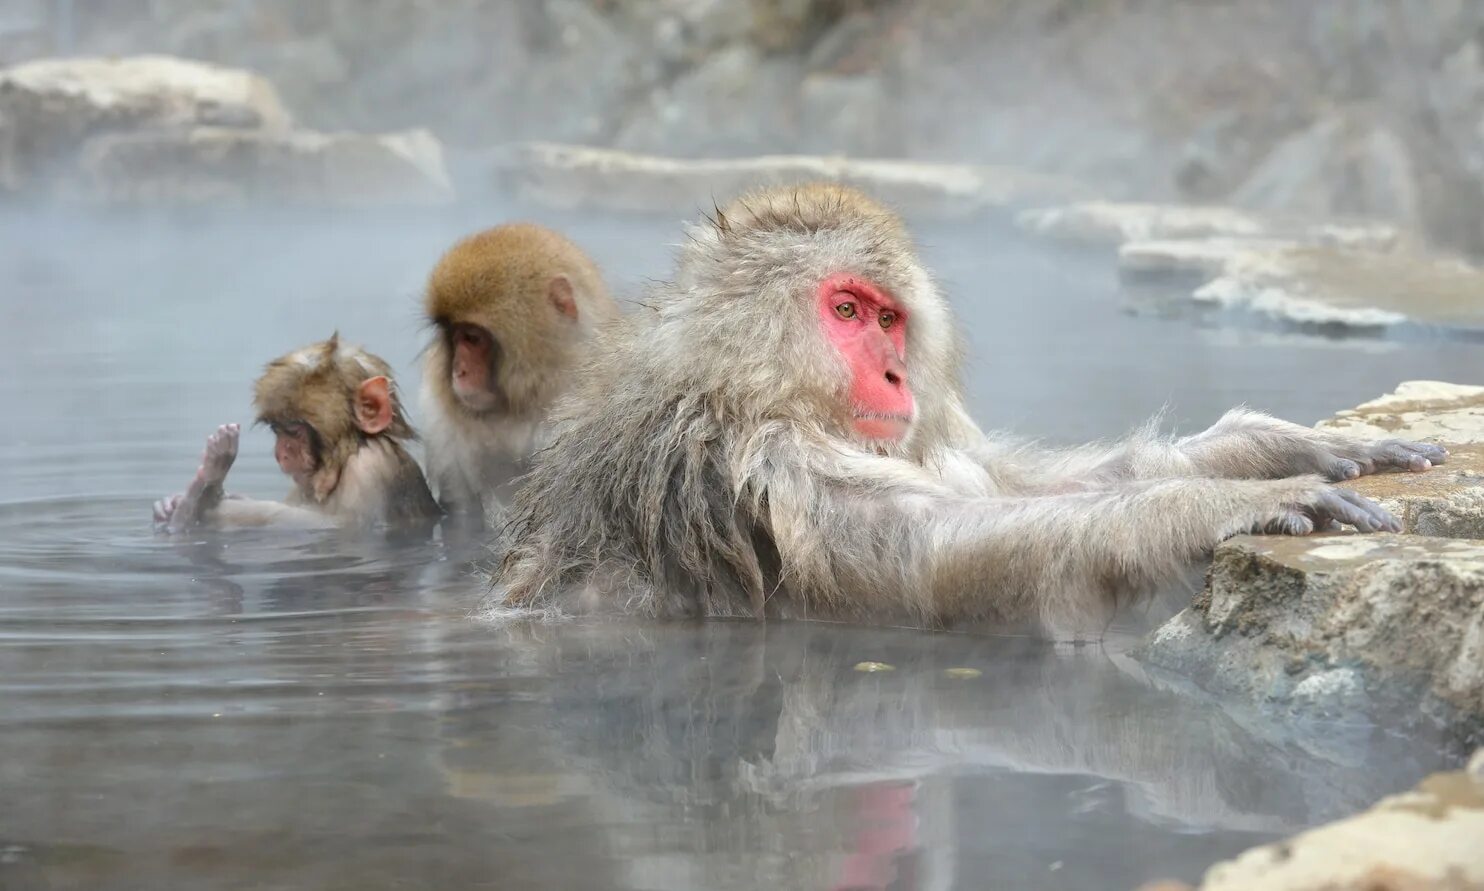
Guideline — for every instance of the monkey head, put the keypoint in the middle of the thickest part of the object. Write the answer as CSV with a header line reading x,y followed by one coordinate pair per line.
x,y
842,327
508,304
322,402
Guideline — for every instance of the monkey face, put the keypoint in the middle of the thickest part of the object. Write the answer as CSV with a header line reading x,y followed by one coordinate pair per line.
x,y
473,353
296,450
869,329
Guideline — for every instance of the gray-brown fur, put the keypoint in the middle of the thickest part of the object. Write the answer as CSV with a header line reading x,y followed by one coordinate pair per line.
x,y
359,478
703,465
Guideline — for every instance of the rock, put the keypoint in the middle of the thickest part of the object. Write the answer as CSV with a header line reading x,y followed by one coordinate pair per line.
x,y
1427,839
1346,625
1111,224
1447,500
52,106
1345,164
1339,626
218,166
735,102
1350,288
568,176
1314,285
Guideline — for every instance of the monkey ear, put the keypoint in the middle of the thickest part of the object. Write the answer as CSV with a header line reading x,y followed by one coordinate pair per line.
x,y
559,292
374,405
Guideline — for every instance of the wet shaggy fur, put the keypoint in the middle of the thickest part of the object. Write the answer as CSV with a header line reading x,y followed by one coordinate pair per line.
x,y
704,464
500,279
317,385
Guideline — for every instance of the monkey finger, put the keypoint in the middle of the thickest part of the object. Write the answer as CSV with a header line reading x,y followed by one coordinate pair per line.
x,y
1342,469
1288,522
1355,509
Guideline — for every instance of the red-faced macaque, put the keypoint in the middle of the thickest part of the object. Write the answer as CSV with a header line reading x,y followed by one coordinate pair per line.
x,y
786,436
512,306
339,430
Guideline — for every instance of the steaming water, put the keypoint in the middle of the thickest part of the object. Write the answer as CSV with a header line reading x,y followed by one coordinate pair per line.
x,y
271,711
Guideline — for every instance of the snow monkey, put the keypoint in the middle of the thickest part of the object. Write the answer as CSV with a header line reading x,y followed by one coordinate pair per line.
x,y
512,306
339,428
786,436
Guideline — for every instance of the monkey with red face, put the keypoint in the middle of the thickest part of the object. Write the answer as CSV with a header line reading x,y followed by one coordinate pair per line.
x,y
786,436
338,429
512,307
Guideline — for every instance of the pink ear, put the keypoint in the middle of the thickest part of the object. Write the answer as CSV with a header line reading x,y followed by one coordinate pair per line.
x,y
374,405
561,296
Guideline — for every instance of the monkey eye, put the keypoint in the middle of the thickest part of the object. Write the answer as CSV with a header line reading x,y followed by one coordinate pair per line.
x,y
887,318
845,310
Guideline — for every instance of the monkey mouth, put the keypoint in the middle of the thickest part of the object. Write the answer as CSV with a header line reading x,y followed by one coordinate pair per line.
x,y
882,427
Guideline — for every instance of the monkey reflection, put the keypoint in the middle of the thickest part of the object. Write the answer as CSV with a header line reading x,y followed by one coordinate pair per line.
x,y
725,733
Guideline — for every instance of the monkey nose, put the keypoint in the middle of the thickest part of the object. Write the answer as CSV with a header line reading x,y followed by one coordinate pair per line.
x,y
896,372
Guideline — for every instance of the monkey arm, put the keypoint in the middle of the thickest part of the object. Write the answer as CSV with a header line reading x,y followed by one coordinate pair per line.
x,y
1064,560
1246,444
1241,445
238,512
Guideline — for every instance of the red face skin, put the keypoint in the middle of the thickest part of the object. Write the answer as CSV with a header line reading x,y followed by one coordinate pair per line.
x,y
869,329
294,452
472,373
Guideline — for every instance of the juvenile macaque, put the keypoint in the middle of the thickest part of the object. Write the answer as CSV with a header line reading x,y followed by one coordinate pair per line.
x,y
788,438
339,427
513,306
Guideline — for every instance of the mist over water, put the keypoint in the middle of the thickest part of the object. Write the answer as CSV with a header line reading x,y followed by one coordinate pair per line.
x,y
260,709
319,710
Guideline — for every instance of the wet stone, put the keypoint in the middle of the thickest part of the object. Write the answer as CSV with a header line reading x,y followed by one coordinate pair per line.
x,y
1113,224
569,176
1447,500
1427,839
1344,626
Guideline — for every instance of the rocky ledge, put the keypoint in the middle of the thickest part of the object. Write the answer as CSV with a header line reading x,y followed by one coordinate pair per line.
x,y
1427,839
1345,626
1334,275
569,176
153,130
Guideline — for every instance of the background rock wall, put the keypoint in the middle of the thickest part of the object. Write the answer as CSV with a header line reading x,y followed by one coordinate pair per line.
x,y
1361,107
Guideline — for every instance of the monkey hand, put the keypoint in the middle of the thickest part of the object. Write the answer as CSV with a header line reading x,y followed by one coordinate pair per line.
x,y
1251,445
1306,505
1345,458
190,508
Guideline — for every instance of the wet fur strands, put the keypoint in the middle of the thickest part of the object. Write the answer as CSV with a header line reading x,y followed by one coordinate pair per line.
x,y
705,463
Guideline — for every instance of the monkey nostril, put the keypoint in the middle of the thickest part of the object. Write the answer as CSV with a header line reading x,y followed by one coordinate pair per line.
x,y
893,378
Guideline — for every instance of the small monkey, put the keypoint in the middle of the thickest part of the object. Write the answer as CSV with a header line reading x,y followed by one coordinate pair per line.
x,y
339,428
787,437
512,307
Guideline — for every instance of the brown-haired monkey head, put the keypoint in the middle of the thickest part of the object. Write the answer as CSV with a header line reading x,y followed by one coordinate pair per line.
x,y
313,447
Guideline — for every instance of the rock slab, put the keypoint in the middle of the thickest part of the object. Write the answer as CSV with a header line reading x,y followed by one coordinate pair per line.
x,y
1350,275
1428,839
1342,626
569,176
162,131
1339,626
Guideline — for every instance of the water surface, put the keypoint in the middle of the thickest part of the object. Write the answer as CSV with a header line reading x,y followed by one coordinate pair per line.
x,y
266,711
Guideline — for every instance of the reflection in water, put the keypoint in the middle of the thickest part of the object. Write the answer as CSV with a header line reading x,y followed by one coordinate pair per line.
x,y
317,710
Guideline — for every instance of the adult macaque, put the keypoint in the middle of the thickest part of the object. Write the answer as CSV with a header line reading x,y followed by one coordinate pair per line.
x,y
339,429
788,438
512,306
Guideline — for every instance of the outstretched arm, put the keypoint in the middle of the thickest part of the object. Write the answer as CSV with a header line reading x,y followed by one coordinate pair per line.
x,y
1241,445
1064,560
205,502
